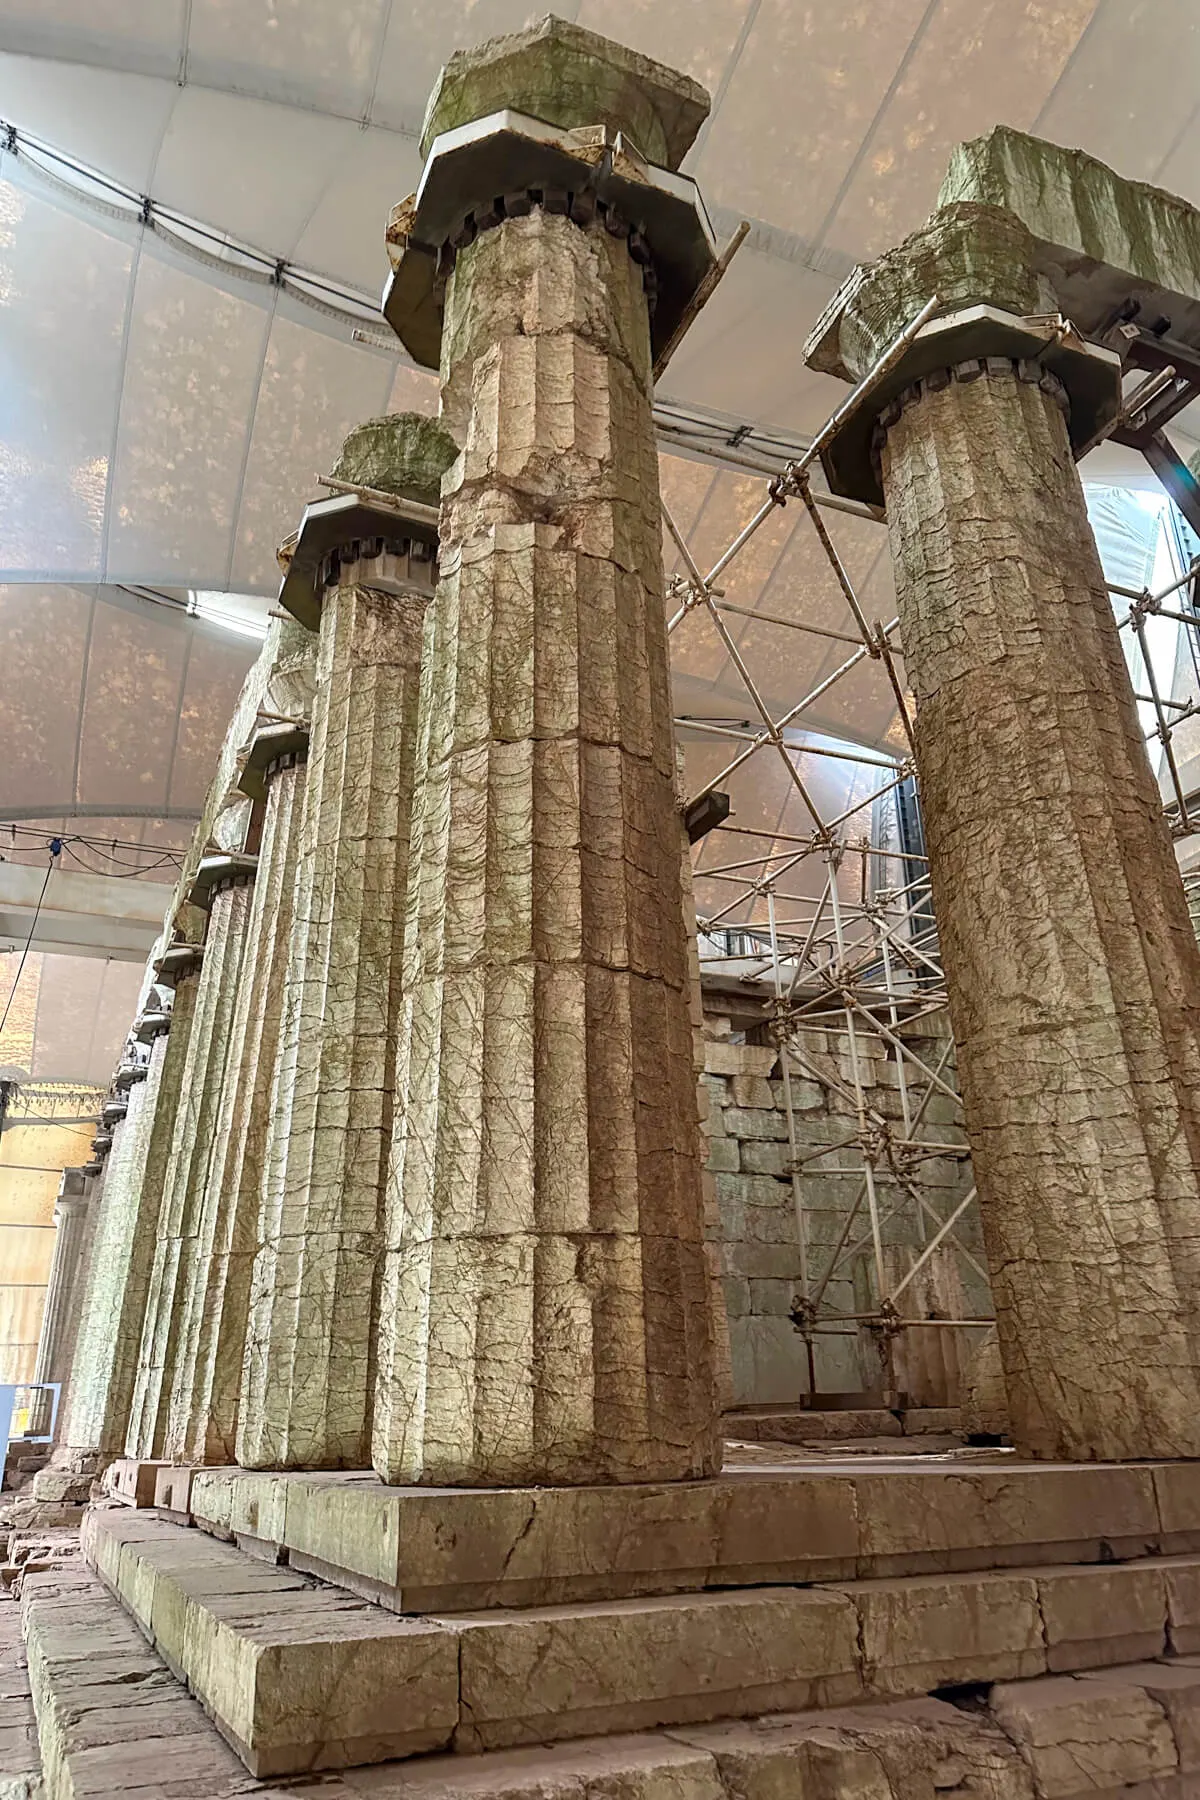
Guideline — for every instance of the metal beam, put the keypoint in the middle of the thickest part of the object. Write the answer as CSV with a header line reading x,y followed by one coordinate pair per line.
x,y
81,915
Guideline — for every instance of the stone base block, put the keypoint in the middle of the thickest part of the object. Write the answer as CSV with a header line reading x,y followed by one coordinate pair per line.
x,y
1086,1737
781,1425
1098,1616
59,1487
19,1758
130,1481
303,1676
560,1672
441,1549
112,1720
295,1675
173,1493
932,1631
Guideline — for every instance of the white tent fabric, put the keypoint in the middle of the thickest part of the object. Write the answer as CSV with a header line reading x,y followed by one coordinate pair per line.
x,y
165,415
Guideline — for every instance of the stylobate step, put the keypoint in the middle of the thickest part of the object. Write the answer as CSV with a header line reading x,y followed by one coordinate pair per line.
x,y
300,1674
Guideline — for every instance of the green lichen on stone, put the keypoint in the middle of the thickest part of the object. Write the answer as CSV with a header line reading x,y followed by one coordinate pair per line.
x,y
569,77
1080,206
966,254
400,453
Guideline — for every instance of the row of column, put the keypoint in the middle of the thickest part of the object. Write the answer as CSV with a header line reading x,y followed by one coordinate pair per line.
x,y
416,1175
432,1193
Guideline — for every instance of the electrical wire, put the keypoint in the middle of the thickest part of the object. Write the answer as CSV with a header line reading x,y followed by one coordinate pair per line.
x,y
55,853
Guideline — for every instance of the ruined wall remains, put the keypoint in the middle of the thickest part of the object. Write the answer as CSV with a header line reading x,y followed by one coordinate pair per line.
x,y
748,1157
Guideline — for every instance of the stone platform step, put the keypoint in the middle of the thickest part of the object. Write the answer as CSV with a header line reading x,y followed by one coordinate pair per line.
x,y
20,1764
800,1425
439,1549
294,1670
112,1721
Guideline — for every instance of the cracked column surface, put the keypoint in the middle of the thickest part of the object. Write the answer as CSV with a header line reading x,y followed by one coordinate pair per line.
x,y
1073,973
180,1246
308,1369
545,1313
206,1387
60,1316
106,1350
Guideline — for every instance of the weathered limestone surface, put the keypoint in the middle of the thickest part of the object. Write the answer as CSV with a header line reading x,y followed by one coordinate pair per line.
x,y
1076,1001
20,1763
106,1351
545,1315
429,1549
74,1226
206,1387
112,1720
298,1675
1073,972
307,1382
570,77
908,1749
549,1673
180,1246
1096,232
1086,1736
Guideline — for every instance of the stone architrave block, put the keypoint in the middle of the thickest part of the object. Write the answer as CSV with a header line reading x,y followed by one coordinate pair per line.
x,y
928,1630
1116,1613
1086,1737
549,1673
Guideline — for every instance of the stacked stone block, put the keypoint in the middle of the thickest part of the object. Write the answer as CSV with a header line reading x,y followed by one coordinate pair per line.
x,y
748,1160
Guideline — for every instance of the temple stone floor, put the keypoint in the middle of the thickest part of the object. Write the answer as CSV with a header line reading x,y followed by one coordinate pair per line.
x,y
933,1621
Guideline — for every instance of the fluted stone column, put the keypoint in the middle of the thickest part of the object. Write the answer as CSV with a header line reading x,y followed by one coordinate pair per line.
x,y
307,1381
61,1312
177,1278
106,1349
1073,973
545,1314
206,1388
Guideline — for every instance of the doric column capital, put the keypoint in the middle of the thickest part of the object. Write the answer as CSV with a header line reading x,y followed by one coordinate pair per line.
x,y
994,309
219,871
177,963
560,119
274,745
387,484
151,1024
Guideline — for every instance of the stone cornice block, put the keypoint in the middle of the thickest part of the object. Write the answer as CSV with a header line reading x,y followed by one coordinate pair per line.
x,y
568,76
